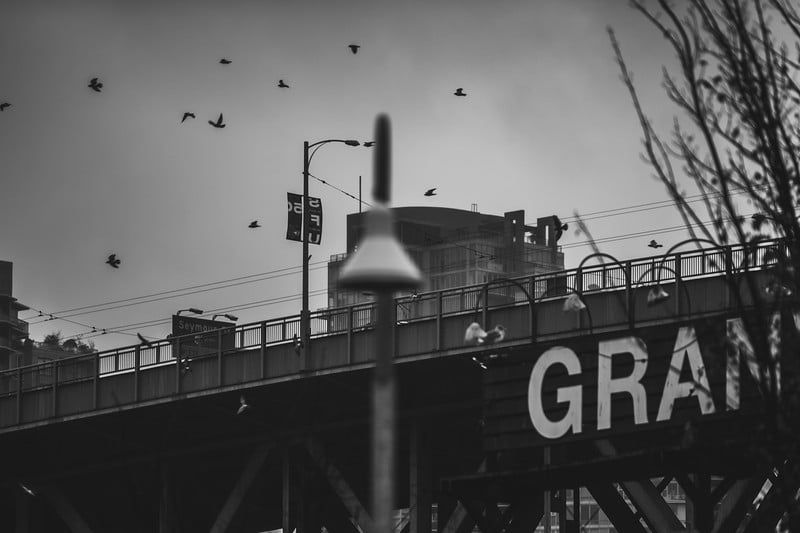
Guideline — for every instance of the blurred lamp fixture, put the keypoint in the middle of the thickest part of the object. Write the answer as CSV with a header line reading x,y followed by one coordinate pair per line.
x,y
574,303
194,310
657,295
380,263
232,318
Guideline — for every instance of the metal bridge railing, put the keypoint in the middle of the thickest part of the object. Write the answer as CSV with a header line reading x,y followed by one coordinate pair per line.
x,y
432,305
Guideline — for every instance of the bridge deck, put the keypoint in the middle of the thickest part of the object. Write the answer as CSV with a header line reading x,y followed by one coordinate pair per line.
x,y
428,325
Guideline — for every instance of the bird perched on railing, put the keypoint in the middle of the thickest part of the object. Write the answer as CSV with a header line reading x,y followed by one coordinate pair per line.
x,y
476,335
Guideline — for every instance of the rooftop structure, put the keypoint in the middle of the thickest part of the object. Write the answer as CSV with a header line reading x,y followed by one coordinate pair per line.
x,y
12,329
455,247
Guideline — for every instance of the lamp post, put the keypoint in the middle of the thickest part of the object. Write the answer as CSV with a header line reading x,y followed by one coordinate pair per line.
x,y
305,313
382,265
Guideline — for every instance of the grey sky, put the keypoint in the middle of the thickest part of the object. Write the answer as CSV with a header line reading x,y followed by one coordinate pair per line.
x,y
547,127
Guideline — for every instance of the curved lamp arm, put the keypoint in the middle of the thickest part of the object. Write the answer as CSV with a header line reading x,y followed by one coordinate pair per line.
x,y
531,302
570,304
625,271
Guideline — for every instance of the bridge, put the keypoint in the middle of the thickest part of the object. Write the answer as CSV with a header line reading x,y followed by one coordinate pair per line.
x,y
150,438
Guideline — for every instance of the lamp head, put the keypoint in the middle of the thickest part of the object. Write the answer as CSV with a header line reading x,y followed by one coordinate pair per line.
x,y
352,142
380,262
573,302
657,295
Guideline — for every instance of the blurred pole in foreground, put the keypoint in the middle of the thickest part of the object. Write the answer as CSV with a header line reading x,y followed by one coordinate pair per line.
x,y
380,264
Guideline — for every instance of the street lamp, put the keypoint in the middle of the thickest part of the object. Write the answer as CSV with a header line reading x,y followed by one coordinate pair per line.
x,y
232,318
194,310
380,264
305,313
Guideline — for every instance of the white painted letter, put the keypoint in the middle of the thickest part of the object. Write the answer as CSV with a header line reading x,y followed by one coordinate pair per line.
x,y
739,347
686,347
630,384
557,355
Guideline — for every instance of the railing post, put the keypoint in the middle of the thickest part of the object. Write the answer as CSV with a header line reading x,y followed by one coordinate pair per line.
x,y
438,321
485,313
19,395
678,282
220,380
349,324
263,348
177,374
629,305
532,308
137,363
96,380
54,364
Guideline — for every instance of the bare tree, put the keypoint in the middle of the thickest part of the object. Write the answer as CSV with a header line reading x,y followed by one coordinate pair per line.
x,y
735,145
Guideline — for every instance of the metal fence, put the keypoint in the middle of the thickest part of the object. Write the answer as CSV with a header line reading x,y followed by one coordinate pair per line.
x,y
604,276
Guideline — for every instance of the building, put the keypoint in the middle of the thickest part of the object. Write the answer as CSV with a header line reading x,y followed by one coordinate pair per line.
x,y
13,331
455,247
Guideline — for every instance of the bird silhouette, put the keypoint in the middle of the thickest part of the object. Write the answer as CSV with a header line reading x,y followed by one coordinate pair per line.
x,y
460,92
654,244
431,192
225,61
254,224
282,85
95,84
354,48
560,228
218,123
476,335
144,341
4,106
496,334
187,115
113,260
244,405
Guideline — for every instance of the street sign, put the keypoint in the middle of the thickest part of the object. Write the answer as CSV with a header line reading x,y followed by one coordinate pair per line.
x,y
204,339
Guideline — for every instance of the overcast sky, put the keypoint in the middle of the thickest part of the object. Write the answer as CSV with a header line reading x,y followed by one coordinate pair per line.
x,y
546,126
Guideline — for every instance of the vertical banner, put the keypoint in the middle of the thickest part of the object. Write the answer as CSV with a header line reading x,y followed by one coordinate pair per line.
x,y
314,206
294,228
294,225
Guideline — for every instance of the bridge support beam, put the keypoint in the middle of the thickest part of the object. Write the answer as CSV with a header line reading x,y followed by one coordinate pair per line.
x,y
65,510
237,494
609,499
355,509
167,514
420,497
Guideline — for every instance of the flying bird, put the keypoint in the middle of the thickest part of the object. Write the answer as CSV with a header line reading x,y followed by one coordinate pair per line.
x,y
460,92
654,244
282,85
218,123
187,115
354,48
254,224
560,228
4,106
95,84
496,334
244,405
113,260
225,61
431,192
144,341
